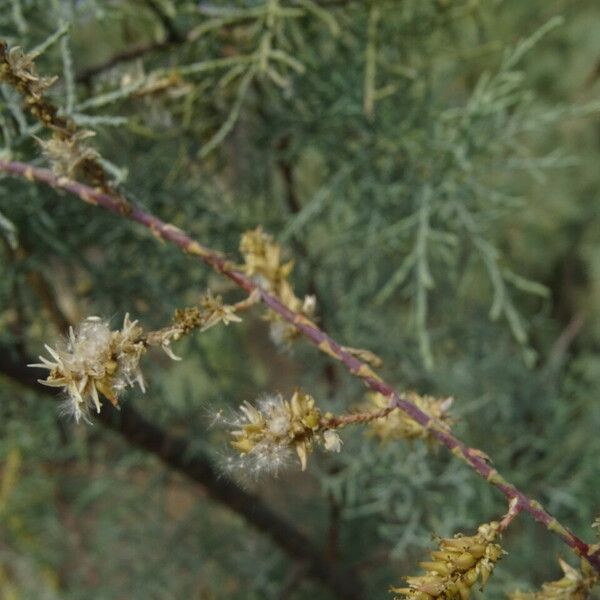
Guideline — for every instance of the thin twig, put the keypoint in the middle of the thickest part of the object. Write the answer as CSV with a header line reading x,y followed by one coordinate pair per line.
x,y
356,418
514,510
476,459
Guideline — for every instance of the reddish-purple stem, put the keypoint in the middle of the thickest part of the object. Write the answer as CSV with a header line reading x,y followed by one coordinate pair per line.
x,y
473,457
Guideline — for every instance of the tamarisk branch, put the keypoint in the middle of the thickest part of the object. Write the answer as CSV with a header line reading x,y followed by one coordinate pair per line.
x,y
476,459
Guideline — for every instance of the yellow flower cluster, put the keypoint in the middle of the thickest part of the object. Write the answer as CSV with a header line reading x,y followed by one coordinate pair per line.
x,y
574,585
398,425
456,567
263,262
268,435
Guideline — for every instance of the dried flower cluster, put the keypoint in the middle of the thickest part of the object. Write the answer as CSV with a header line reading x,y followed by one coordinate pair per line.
x,y
267,436
456,567
574,585
263,262
95,361
18,69
65,150
398,425
209,312
67,154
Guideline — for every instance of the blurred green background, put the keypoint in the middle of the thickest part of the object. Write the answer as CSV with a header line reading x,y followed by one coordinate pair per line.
x,y
432,168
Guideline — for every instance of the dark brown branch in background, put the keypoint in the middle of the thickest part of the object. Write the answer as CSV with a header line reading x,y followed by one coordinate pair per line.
x,y
176,452
17,325
287,173
333,528
295,206
291,581
41,287
173,38
561,346
127,55
473,457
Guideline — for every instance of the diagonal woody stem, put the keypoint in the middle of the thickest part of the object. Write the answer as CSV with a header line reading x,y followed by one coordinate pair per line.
x,y
476,459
